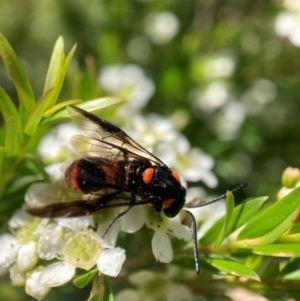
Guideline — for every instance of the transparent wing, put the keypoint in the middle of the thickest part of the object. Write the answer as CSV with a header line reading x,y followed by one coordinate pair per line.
x,y
106,140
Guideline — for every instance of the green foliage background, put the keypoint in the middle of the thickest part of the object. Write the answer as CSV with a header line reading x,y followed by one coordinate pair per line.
x,y
267,141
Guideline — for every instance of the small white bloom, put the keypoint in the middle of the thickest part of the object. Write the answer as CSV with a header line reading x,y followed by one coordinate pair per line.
x,y
56,274
110,261
161,247
178,230
196,166
9,249
133,220
19,219
27,256
56,142
162,27
50,243
17,278
33,287
128,81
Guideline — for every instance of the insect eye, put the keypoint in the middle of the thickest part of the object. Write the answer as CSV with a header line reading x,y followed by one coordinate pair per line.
x,y
148,175
176,176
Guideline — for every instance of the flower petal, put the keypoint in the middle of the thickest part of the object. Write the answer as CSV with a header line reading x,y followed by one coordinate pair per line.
x,y
17,278
8,251
57,274
34,288
27,256
50,243
179,230
133,220
161,247
110,261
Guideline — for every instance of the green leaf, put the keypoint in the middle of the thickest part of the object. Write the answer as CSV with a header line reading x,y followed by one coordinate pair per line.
x,y
12,144
84,280
57,70
229,210
1,165
234,268
54,64
274,220
279,250
91,106
17,74
36,114
108,294
240,215
8,109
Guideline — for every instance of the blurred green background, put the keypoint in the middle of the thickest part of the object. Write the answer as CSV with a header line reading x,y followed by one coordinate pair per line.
x,y
227,71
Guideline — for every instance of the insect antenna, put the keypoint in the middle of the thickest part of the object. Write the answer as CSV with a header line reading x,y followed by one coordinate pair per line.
x,y
188,219
196,204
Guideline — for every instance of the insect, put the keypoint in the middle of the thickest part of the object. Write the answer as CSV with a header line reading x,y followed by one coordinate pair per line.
x,y
112,163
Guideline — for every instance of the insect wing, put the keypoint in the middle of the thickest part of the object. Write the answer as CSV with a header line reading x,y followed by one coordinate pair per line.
x,y
106,140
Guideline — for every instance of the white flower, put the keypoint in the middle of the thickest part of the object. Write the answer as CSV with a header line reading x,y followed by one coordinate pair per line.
x,y
128,81
195,166
17,278
27,256
33,286
50,243
110,261
56,274
9,250
162,247
161,244
162,27
55,145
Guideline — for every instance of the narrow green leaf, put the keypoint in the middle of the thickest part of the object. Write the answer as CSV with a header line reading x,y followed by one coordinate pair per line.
x,y
61,105
234,268
108,294
58,68
91,106
279,250
270,219
54,64
8,109
12,144
1,164
17,74
84,280
70,57
240,215
271,236
36,114
57,84
228,214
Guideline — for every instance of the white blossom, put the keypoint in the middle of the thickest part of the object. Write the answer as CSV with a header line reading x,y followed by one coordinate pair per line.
x,y
57,274
110,261
9,249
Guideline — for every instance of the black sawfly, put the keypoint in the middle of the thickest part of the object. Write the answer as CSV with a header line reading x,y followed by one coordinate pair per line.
x,y
112,163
